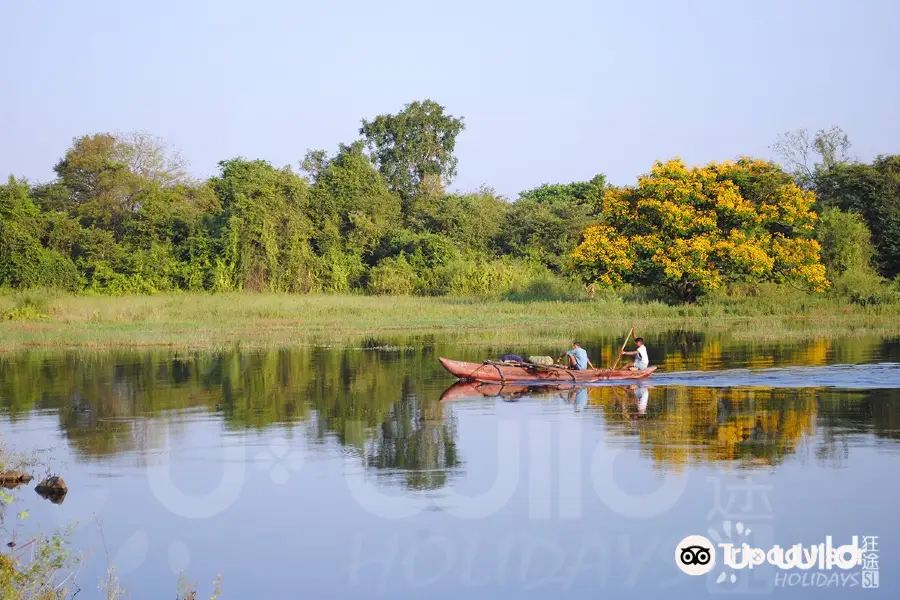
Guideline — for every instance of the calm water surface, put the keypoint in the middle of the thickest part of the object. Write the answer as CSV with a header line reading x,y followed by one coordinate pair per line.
x,y
333,473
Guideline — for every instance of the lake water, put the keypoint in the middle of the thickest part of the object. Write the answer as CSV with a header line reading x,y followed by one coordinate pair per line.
x,y
341,473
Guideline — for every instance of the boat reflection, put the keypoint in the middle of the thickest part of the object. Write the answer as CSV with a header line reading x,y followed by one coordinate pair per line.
x,y
468,390
576,395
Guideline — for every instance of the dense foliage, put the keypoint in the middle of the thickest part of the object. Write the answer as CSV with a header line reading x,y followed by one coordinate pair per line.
x,y
122,216
694,230
873,192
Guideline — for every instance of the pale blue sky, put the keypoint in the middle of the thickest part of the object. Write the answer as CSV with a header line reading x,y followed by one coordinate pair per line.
x,y
551,92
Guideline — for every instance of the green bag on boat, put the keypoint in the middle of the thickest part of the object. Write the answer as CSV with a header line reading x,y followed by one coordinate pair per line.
x,y
540,360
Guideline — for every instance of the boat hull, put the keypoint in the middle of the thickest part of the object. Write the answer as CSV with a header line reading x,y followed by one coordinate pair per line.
x,y
491,372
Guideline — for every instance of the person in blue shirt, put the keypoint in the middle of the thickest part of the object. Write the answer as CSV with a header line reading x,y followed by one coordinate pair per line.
x,y
577,358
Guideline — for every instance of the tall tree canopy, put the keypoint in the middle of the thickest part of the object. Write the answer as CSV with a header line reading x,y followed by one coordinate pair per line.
x,y
414,148
110,170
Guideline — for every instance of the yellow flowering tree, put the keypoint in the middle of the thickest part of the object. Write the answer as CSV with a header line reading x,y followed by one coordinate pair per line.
x,y
693,230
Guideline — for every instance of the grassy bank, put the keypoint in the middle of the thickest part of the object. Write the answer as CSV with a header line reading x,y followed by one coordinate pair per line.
x,y
202,321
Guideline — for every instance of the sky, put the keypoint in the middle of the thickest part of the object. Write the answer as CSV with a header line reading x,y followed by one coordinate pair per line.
x,y
550,91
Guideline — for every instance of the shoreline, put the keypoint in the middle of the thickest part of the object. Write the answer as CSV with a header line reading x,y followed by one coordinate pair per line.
x,y
273,321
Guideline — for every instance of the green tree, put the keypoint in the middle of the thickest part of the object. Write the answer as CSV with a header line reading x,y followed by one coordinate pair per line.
x,y
262,234
140,219
874,192
545,224
168,237
24,261
472,221
586,193
350,201
101,177
846,242
847,253
415,147
393,276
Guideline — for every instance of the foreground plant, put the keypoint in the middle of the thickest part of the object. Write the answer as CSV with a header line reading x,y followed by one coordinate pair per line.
x,y
42,567
188,591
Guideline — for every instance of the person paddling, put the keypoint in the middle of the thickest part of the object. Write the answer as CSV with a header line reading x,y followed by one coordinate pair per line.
x,y
641,360
577,358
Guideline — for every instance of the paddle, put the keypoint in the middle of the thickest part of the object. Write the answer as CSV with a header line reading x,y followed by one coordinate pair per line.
x,y
625,343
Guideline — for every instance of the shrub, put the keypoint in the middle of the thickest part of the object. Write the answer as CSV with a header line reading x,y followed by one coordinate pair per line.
x,y
29,305
865,288
846,242
393,276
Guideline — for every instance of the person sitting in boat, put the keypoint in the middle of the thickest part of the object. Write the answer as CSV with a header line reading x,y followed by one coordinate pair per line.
x,y
641,361
577,358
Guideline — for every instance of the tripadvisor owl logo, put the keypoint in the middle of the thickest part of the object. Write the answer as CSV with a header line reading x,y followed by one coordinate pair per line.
x,y
695,555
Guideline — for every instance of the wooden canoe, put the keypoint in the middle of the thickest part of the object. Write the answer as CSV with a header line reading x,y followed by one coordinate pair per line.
x,y
498,372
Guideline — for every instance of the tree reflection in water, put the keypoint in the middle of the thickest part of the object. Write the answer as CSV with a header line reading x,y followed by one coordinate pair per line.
x,y
747,427
381,405
417,439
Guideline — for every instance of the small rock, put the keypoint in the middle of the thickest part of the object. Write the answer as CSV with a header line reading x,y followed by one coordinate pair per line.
x,y
52,485
53,489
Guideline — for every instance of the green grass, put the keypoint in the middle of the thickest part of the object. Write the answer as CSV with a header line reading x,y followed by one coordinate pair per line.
x,y
212,321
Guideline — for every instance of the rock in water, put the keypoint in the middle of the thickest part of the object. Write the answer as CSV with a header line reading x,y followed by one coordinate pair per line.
x,y
52,487
12,479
